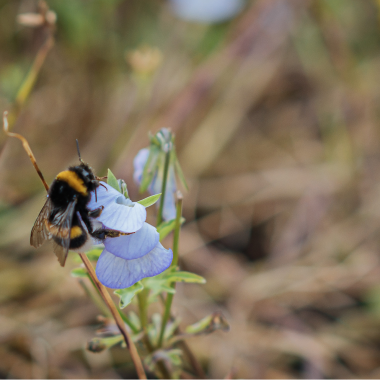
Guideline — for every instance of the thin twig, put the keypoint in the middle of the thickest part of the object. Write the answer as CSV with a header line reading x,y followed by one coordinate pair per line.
x,y
169,297
26,146
119,322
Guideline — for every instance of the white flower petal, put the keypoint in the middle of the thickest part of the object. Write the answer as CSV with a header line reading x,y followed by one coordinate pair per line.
x,y
133,246
117,273
105,194
119,213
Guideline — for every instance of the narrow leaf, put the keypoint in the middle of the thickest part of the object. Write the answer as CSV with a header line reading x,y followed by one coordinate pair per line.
x,y
126,295
215,321
183,276
112,181
149,201
165,228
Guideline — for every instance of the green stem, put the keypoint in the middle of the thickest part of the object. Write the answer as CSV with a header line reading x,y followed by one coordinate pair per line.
x,y
128,322
177,228
142,297
163,191
169,297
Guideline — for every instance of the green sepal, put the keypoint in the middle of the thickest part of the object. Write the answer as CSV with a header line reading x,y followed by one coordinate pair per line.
x,y
123,187
178,170
79,272
149,201
165,228
149,168
112,181
154,140
126,295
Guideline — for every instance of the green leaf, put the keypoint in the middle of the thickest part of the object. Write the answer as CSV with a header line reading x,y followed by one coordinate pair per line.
x,y
79,272
126,295
146,202
149,168
157,286
165,228
163,282
182,276
112,181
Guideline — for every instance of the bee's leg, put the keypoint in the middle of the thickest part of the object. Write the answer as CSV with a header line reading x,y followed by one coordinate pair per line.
x,y
103,233
95,213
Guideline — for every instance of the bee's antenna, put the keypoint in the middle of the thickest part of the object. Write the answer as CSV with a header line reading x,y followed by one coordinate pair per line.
x,y
80,158
26,147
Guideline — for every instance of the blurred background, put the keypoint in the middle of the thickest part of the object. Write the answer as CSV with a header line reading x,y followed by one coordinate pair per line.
x,y
275,107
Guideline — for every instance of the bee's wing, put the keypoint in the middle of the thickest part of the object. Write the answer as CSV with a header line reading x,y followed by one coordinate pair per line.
x,y
40,233
61,225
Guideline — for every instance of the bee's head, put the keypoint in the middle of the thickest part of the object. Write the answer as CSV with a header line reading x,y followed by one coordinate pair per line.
x,y
88,176
86,172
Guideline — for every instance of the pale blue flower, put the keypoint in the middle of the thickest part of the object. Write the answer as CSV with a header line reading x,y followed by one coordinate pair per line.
x,y
119,213
128,258
207,11
155,187
117,273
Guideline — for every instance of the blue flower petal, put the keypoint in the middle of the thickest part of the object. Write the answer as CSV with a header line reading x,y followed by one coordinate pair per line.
x,y
139,163
133,246
119,213
117,273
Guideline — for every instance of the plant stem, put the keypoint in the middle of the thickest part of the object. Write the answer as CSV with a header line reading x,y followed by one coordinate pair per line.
x,y
119,322
143,311
28,83
163,191
169,297
177,228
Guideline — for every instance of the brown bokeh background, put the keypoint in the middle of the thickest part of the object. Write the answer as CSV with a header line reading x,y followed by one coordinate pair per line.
x,y
276,115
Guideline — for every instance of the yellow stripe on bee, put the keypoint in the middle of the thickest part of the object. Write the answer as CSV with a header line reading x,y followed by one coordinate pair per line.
x,y
56,231
75,232
72,179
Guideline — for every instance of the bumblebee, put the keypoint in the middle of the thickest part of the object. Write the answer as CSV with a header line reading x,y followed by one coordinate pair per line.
x,y
65,217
